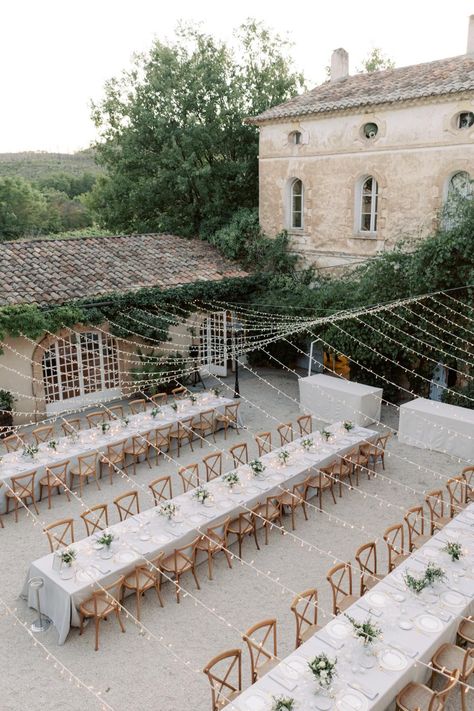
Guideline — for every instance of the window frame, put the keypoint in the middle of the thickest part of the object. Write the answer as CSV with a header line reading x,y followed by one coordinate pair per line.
x,y
374,206
292,211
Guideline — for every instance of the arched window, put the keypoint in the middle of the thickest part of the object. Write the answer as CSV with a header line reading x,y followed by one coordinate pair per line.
x,y
368,205
296,204
295,138
459,186
80,369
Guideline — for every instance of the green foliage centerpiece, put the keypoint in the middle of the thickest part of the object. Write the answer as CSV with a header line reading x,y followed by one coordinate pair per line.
x,y
155,412
283,703
257,466
52,444
454,550
323,670
368,632
284,457
105,541
216,391
348,425
231,479
201,494
431,575
325,434
169,510
68,555
105,427
30,450
307,443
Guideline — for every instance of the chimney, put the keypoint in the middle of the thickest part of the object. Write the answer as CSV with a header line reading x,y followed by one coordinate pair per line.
x,y
470,36
340,63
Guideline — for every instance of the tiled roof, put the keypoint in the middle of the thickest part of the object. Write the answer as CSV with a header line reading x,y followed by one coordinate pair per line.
x,y
48,271
445,76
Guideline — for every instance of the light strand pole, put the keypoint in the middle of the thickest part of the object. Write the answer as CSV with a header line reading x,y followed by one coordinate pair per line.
x,y
237,330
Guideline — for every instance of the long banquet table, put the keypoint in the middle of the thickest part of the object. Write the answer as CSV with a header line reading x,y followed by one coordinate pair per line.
x,y
371,682
94,440
145,535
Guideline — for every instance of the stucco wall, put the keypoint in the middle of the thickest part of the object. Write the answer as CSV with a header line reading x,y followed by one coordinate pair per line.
x,y
416,151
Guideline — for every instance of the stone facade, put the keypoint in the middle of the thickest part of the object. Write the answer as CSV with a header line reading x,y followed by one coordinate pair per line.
x,y
416,151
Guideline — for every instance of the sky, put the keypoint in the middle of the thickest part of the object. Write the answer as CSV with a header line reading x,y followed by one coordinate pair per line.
x,y
55,56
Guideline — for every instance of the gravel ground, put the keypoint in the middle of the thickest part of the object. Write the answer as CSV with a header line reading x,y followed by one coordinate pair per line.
x,y
132,672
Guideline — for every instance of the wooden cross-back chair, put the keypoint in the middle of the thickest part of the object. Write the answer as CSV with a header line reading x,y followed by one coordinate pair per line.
x,y
180,392
113,458
415,521
183,434
139,447
419,697
43,434
205,425
447,659
264,442
305,609
394,537
181,561
96,518
159,399
230,417
116,412
366,557
376,452
13,443
213,542
240,454
60,533
340,579
161,440
96,418
323,480
457,494
262,658
358,462
161,489
243,525
285,430
143,578
127,504
435,502
293,498
342,471
189,476
71,427
213,464
85,469
305,424
269,513
55,478
22,488
137,406
225,677
100,605
468,476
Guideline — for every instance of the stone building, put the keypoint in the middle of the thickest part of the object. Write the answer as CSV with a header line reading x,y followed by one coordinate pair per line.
x,y
363,160
76,367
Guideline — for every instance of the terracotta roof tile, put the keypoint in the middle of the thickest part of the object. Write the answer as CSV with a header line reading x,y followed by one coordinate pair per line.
x,y
442,77
48,271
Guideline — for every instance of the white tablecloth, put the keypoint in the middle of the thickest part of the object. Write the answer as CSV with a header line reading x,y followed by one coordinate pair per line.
x,y
59,598
93,440
414,644
332,399
429,424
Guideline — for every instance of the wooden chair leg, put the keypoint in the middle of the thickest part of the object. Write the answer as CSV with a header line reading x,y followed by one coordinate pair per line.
x,y
138,602
332,493
81,623
255,536
158,592
177,588
16,510
292,518
97,625
193,570
119,618
34,505
304,510
209,565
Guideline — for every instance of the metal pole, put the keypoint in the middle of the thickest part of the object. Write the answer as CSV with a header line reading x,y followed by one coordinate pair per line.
x,y
42,623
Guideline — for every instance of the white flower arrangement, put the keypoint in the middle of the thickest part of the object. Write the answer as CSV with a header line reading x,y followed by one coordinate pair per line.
x,y
169,510
68,556
257,466
52,444
105,427
284,456
326,434
323,669
366,631
30,450
200,493
231,479
125,421
307,443
194,398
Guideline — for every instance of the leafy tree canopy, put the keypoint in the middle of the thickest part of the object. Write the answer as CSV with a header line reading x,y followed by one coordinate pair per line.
x,y
178,156
376,61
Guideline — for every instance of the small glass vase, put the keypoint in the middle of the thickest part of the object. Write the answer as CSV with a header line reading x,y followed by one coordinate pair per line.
x,y
106,552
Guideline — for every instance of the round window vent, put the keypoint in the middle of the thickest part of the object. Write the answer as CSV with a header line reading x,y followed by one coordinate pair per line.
x,y
370,130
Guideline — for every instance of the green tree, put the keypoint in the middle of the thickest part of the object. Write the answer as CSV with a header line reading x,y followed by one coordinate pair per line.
x,y
23,208
376,61
178,155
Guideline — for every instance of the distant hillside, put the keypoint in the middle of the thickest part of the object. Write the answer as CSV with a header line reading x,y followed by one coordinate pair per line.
x,y
34,165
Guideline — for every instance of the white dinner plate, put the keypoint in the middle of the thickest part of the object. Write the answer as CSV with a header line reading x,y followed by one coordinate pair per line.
x,y
197,518
294,668
224,504
405,624
253,703
352,701
322,702
429,553
428,623
452,598
338,629
87,575
251,490
125,556
393,660
376,599
161,538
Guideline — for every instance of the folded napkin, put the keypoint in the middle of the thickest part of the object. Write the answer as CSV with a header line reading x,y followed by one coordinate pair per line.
x,y
329,642
369,693
412,653
285,683
370,610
